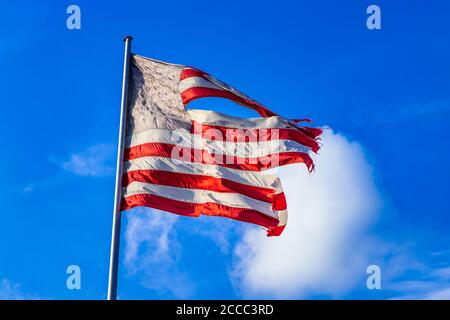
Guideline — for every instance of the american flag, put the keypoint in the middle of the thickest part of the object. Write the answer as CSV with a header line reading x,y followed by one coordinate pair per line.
x,y
196,162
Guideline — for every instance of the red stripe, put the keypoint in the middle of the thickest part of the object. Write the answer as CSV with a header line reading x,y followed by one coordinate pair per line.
x,y
275,231
191,72
279,202
311,132
153,149
193,93
203,182
260,134
204,157
195,210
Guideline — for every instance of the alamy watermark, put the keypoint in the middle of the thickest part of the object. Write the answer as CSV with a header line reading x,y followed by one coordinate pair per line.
x,y
73,21
73,281
374,20
374,279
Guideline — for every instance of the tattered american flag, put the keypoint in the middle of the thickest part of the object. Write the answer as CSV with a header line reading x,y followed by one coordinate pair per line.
x,y
196,162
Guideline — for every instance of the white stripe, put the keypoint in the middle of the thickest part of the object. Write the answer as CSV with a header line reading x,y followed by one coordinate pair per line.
x,y
183,138
256,179
196,82
200,196
282,217
223,120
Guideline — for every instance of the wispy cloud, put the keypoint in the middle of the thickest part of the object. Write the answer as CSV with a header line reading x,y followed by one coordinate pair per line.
x,y
439,294
399,112
221,231
427,287
153,251
13,291
95,161
420,279
324,249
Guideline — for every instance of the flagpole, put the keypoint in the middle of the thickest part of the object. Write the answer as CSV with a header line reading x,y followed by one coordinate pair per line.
x,y
115,237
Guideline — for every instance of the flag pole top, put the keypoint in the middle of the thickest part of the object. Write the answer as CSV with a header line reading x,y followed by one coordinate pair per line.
x,y
127,37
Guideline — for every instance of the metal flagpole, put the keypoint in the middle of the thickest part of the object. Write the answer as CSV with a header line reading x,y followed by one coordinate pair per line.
x,y
115,238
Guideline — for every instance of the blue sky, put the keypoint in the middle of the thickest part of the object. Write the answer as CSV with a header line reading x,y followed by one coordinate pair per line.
x,y
385,93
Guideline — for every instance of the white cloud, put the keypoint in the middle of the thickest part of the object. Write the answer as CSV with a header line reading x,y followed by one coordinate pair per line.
x,y
323,250
94,161
152,250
